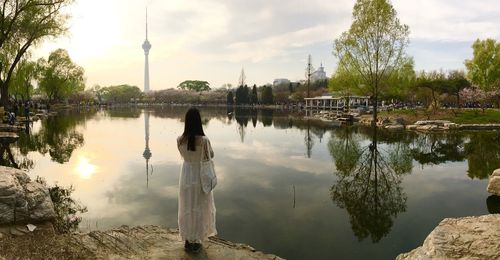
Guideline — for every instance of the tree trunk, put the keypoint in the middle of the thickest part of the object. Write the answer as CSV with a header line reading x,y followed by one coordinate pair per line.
x,y
375,106
4,92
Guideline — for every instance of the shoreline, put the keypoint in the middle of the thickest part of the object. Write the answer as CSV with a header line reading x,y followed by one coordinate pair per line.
x,y
30,228
138,242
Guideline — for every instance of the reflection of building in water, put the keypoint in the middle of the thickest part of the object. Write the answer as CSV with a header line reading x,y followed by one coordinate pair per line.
x,y
147,153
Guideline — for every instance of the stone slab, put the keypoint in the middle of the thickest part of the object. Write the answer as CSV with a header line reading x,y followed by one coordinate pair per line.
x,y
153,242
461,238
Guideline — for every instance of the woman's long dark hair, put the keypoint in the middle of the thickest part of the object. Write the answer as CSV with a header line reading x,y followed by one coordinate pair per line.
x,y
192,128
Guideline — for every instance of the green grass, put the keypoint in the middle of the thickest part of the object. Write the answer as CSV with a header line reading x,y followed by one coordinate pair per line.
x,y
462,116
477,116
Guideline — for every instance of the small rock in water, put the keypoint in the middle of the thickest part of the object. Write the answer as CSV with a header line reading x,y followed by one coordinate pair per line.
x,y
31,227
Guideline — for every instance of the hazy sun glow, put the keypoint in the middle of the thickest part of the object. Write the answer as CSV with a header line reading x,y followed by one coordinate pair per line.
x,y
85,169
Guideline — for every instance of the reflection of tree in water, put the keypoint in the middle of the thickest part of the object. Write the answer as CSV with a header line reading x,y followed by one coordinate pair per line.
x,y
483,154
13,158
369,182
345,149
253,112
266,116
481,149
123,112
308,140
230,113
438,148
57,136
242,116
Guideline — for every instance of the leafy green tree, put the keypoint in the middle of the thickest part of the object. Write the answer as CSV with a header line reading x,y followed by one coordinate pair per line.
x,y
98,92
434,83
344,82
401,81
319,84
24,23
456,82
242,96
195,85
374,46
59,76
121,93
21,84
483,70
267,96
253,96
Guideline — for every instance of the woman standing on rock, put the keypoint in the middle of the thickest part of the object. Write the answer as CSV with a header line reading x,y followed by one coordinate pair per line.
x,y
196,216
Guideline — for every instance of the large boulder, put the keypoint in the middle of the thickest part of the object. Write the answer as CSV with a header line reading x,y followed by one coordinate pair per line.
x,y
494,183
23,201
461,238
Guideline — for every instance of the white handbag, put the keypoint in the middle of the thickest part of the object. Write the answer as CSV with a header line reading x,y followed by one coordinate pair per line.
x,y
207,170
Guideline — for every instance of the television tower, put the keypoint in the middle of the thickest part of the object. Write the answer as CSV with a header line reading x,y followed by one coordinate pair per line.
x,y
146,46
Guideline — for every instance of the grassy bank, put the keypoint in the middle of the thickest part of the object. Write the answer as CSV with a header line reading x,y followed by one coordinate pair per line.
x,y
459,116
41,246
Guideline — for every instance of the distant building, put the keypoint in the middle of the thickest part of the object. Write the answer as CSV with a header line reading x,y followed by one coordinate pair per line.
x,y
319,74
277,82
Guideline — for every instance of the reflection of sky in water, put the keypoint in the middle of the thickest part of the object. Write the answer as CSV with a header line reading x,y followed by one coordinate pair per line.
x,y
254,197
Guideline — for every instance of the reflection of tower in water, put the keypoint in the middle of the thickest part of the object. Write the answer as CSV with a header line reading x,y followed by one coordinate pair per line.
x,y
147,153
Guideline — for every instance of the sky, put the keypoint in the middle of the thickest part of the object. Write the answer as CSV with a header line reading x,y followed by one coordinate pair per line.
x,y
213,40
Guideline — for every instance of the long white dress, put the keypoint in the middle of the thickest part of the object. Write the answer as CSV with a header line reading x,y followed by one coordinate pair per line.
x,y
196,215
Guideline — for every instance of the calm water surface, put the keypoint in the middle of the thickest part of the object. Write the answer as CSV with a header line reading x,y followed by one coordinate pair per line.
x,y
292,187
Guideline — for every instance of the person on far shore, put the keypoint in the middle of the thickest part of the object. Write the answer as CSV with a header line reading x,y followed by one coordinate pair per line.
x,y
196,215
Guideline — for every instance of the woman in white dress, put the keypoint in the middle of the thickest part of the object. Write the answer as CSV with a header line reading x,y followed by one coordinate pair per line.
x,y
196,216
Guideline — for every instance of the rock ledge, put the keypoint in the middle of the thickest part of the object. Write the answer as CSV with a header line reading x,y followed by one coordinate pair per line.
x,y
461,238
494,183
153,242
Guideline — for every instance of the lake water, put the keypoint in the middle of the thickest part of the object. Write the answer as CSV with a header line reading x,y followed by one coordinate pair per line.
x,y
288,186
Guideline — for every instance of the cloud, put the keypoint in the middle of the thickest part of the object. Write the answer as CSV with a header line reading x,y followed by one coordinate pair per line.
x,y
213,39
447,20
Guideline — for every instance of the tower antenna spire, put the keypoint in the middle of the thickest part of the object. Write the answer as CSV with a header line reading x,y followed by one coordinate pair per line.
x,y
146,23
